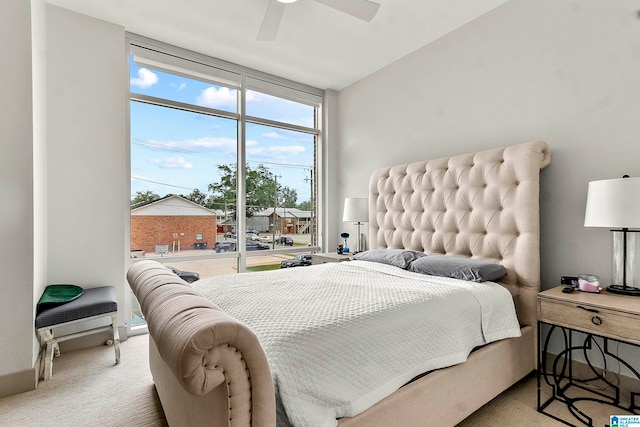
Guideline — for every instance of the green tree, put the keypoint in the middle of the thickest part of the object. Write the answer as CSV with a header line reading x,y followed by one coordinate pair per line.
x,y
262,190
144,196
289,196
307,205
198,197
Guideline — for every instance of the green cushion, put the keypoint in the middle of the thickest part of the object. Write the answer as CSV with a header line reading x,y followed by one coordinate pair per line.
x,y
55,295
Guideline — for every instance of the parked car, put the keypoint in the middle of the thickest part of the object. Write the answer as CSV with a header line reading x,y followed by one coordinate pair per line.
x,y
187,276
253,236
299,260
287,241
230,246
225,246
267,238
229,235
256,246
137,253
253,231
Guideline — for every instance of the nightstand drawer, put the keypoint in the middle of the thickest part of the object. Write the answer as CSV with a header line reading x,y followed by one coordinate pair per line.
x,y
586,318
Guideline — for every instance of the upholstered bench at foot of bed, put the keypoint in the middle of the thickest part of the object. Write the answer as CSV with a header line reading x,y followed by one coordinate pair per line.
x,y
94,303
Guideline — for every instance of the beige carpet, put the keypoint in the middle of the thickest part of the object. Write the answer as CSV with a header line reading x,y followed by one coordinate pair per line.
x,y
88,389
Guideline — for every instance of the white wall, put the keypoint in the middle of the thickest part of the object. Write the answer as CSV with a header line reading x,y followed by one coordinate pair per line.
x,y
86,100
562,71
16,194
62,167
39,79
329,166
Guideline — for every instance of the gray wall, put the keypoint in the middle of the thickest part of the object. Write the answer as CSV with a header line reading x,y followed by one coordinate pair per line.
x,y
561,71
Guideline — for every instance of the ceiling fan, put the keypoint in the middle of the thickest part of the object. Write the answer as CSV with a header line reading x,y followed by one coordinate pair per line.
x,y
361,9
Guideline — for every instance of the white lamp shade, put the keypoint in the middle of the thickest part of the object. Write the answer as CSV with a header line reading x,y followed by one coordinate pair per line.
x,y
356,210
613,203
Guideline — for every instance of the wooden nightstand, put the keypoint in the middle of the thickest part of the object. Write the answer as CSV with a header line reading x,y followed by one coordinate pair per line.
x,y
608,316
329,257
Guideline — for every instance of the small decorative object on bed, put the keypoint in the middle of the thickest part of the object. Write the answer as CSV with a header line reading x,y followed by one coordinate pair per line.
x,y
225,360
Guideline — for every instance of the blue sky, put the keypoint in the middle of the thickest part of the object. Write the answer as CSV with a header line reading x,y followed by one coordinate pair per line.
x,y
175,151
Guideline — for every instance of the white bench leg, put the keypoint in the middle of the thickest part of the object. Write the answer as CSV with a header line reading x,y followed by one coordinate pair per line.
x,y
48,361
116,336
50,349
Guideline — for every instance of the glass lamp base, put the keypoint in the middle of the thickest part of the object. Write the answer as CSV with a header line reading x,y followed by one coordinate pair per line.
x,y
623,290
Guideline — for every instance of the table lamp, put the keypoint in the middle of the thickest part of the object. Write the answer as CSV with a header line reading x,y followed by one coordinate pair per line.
x,y
356,210
615,203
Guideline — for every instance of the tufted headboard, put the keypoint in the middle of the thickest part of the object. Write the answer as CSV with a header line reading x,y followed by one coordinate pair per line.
x,y
478,205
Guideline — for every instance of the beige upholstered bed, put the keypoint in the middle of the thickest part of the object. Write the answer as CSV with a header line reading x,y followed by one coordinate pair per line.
x,y
210,369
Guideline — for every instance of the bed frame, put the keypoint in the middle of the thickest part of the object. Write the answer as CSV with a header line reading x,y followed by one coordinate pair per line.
x,y
209,369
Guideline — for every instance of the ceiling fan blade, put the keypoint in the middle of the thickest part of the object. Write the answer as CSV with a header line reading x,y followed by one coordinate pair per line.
x,y
361,9
271,21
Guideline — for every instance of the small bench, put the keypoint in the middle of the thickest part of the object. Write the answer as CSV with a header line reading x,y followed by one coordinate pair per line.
x,y
92,304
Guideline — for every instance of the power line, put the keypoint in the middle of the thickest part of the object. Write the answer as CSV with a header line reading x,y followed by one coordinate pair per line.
x,y
161,146
162,183
178,186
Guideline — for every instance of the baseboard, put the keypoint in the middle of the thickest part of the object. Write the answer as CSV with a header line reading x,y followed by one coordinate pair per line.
x,y
19,382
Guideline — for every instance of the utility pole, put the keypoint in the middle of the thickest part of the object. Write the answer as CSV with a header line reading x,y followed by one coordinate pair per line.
x,y
275,211
312,229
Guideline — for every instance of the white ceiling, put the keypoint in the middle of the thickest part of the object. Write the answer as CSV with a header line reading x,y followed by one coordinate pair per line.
x,y
316,45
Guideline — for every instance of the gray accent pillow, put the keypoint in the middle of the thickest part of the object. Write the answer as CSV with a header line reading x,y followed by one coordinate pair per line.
x,y
474,270
398,257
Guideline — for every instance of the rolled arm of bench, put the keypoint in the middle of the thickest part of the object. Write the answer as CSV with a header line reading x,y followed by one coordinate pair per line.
x,y
203,346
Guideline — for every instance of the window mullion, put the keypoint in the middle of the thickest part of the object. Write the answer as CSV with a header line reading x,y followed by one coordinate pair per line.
x,y
241,171
163,102
281,125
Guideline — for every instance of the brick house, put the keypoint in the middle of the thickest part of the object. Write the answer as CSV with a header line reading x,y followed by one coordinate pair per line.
x,y
172,223
287,220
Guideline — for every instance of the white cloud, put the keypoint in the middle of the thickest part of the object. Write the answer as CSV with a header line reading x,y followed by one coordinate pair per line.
x,y
204,144
278,151
254,96
145,79
207,144
272,135
171,163
218,97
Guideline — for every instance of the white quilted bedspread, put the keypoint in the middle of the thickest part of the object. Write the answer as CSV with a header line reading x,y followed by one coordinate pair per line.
x,y
342,336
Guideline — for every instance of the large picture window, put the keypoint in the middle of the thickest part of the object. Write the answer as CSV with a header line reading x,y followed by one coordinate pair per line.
x,y
223,163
